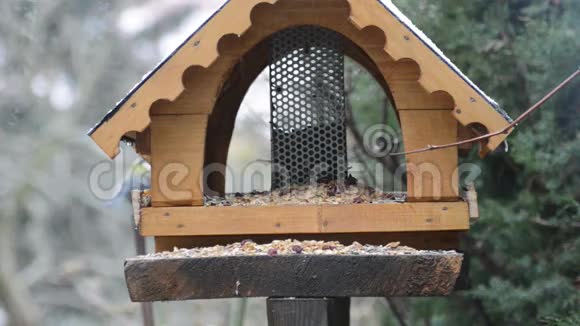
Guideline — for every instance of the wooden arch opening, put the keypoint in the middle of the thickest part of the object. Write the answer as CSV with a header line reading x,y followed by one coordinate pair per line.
x,y
222,120
195,129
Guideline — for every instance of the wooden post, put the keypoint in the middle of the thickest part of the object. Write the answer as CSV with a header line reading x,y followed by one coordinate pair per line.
x,y
309,311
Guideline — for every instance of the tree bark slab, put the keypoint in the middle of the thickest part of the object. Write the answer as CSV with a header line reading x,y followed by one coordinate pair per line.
x,y
173,279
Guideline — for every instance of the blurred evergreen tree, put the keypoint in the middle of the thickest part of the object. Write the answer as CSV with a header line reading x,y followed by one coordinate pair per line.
x,y
525,250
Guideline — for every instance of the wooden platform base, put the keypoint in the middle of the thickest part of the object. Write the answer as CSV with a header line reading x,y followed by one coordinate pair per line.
x,y
171,279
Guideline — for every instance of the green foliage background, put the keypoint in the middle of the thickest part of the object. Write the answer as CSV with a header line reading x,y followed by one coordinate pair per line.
x,y
525,250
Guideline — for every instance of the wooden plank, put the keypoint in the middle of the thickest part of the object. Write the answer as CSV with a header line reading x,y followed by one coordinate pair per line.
x,y
435,240
406,217
177,147
177,221
174,279
430,176
394,217
108,136
308,311
410,95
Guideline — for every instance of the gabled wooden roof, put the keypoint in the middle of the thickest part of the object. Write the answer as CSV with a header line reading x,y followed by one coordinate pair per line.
x,y
404,41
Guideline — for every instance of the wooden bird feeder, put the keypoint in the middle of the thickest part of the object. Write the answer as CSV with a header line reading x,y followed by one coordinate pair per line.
x,y
181,119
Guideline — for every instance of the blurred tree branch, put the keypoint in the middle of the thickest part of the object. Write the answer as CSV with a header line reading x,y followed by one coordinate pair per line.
x,y
397,311
385,160
19,306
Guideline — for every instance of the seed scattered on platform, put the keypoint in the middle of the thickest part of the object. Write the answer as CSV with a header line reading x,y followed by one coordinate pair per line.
x,y
322,194
328,193
293,247
297,249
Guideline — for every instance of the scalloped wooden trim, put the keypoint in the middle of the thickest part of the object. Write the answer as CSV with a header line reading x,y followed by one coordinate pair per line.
x,y
166,83
235,19
436,76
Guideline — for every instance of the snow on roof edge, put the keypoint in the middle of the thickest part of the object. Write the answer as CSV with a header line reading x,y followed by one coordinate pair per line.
x,y
398,14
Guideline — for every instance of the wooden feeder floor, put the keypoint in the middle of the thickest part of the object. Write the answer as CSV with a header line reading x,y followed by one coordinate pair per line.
x,y
325,193
292,269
